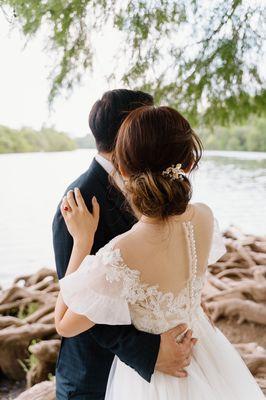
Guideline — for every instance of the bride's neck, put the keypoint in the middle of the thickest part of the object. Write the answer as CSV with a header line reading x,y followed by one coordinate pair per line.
x,y
150,220
161,222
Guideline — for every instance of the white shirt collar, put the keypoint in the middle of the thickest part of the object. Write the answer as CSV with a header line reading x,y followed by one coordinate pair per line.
x,y
109,168
106,164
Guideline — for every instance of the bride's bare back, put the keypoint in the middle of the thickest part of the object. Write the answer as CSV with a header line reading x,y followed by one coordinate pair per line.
x,y
160,250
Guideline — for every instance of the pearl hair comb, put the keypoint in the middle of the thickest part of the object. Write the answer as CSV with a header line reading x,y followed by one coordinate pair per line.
x,y
174,172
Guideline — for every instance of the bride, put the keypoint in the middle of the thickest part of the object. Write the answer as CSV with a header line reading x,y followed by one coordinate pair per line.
x,y
153,275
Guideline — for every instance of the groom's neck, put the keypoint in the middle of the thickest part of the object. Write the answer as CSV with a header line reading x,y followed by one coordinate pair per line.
x,y
107,156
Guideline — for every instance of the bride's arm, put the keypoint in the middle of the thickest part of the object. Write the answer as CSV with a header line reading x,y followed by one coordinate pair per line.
x,y
82,226
68,323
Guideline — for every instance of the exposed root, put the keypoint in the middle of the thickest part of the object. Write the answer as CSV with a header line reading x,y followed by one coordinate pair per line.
x,y
42,391
45,353
245,310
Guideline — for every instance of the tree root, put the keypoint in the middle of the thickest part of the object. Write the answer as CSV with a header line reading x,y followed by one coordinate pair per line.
x,y
40,313
39,276
45,353
14,343
42,391
245,310
254,357
248,289
7,321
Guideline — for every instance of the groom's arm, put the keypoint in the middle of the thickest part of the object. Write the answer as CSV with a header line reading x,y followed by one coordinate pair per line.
x,y
135,348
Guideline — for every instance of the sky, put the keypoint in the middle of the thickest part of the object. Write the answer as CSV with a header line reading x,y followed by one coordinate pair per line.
x,y
24,84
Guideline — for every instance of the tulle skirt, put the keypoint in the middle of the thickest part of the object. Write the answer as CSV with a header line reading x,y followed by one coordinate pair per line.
x,y
216,372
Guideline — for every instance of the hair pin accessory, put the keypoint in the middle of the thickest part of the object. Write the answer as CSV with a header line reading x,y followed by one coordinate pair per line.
x,y
174,172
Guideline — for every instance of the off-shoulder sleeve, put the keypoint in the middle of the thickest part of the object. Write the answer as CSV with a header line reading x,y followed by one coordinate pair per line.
x,y
217,247
89,292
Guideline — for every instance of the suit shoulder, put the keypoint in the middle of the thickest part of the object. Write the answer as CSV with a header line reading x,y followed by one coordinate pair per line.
x,y
86,182
83,181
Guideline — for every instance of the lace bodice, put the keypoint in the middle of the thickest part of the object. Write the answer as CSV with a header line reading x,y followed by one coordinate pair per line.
x,y
152,310
107,291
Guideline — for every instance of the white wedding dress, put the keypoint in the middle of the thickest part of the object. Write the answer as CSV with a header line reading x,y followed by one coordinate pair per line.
x,y
107,291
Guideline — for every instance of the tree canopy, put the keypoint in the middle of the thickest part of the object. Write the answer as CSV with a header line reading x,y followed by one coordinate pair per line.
x,y
203,57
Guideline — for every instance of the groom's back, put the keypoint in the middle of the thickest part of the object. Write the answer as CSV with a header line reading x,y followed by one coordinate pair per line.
x,y
83,366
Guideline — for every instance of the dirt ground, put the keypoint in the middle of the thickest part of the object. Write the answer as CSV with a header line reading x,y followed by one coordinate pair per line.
x,y
9,390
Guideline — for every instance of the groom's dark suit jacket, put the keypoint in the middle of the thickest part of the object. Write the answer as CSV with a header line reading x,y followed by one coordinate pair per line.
x,y
85,360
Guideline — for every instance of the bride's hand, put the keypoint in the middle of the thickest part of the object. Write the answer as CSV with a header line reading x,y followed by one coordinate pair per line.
x,y
80,223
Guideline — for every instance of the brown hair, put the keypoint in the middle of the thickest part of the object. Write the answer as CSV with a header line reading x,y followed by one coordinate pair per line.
x,y
150,140
108,113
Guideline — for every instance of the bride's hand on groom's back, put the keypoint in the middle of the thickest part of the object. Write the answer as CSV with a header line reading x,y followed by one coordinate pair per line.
x,y
175,356
80,223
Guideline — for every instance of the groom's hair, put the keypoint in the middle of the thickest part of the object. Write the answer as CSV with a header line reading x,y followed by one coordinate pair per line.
x,y
108,113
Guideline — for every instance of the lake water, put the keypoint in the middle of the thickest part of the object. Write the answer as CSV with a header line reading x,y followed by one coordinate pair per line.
x,y
232,183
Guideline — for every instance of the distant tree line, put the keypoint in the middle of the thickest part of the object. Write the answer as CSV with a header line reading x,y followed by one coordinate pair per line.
x,y
28,140
248,137
86,142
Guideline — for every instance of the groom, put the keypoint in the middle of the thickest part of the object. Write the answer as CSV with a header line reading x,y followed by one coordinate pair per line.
x,y
85,360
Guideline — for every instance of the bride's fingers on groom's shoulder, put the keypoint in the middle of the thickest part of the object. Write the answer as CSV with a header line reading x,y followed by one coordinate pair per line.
x,y
64,207
95,207
79,198
63,202
71,200
66,203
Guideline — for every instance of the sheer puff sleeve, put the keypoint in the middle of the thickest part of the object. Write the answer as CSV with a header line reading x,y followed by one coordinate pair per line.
x,y
218,248
90,292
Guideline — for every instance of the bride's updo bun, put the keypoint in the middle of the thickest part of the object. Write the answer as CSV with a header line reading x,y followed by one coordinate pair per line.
x,y
150,140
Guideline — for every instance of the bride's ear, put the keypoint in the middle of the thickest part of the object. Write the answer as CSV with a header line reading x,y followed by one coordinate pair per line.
x,y
189,168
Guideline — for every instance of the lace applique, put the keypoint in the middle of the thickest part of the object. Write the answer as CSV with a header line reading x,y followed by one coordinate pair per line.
x,y
151,309
132,290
